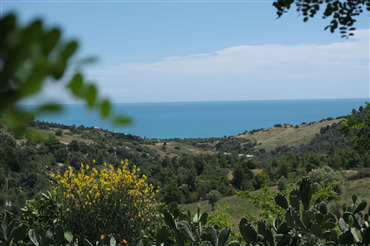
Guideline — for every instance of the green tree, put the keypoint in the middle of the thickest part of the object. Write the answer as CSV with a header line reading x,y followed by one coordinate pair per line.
x,y
58,132
74,146
242,178
61,155
343,13
172,193
213,196
358,129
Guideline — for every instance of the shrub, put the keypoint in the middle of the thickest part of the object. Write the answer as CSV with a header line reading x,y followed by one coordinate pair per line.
x,y
323,177
58,132
92,201
281,183
362,173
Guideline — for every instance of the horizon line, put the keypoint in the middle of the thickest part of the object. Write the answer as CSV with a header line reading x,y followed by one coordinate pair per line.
x,y
295,99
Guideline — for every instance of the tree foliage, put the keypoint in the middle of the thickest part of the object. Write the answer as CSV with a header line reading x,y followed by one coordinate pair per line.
x,y
343,14
32,55
213,196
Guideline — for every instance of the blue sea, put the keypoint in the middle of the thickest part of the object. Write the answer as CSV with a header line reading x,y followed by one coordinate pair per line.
x,y
207,119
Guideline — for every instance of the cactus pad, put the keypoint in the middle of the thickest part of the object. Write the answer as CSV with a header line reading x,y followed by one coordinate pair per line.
x,y
305,191
281,200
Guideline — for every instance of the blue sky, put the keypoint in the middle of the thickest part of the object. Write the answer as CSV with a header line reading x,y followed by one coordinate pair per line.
x,y
204,51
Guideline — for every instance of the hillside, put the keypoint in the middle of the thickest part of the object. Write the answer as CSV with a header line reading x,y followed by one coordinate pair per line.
x,y
269,139
185,169
239,206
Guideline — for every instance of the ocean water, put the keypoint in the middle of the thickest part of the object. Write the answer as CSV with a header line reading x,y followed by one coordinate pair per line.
x,y
207,119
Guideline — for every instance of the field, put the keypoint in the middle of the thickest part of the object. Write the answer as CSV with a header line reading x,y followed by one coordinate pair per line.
x,y
171,151
291,136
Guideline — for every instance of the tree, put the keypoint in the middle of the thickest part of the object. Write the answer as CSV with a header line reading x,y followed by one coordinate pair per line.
x,y
357,128
342,12
242,178
173,193
74,146
58,132
31,55
213,196
61,155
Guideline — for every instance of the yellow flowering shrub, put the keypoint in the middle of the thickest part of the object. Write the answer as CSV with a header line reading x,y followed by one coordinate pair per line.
x,y
92,201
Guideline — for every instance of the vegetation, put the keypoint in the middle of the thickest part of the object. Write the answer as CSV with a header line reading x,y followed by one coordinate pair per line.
x,y
343,13
213,196
118,198
30,55
90,203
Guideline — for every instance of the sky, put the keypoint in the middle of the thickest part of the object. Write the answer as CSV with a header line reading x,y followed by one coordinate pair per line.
x,y
167,51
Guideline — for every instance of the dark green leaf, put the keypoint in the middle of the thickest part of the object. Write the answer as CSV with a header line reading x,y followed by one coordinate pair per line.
x,y
105,109
76,83
50,41
162,235
91,95
32,85
50,107
119,120
70,49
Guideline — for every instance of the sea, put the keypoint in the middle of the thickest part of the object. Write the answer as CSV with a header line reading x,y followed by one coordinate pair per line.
x,y
206,119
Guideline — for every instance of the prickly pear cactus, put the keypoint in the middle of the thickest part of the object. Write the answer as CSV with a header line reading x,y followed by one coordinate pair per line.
x,y
310,226
10,231
183,229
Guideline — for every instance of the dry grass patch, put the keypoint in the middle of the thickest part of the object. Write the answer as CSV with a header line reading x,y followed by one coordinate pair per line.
x,y
291,136
256,171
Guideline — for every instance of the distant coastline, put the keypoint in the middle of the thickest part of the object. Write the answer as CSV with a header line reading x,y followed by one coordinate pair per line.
x,y
207,119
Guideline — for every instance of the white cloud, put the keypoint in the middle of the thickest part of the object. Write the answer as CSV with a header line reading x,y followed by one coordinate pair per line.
x,y
337,70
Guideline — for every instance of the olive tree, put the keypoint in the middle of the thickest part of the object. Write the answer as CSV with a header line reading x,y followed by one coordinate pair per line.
x,y
213,196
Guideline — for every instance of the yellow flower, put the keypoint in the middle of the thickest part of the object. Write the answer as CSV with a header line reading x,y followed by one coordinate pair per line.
x,y
52,175
93,161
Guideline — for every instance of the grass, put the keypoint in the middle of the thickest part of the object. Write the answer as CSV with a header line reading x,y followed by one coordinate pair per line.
x,y
291,136
66,138
171,150
239,206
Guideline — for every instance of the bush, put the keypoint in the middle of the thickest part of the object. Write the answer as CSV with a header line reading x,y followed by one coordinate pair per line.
x,y
58,132
323,177
92,201
281,183
362,173
44,127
